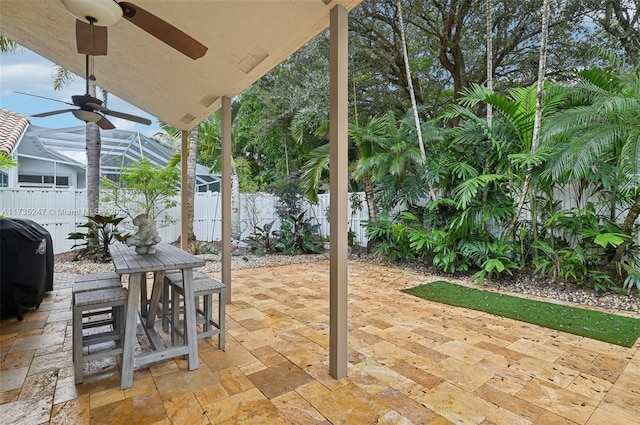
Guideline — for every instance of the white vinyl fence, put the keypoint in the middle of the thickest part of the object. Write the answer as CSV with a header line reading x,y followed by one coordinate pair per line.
x,y
61,211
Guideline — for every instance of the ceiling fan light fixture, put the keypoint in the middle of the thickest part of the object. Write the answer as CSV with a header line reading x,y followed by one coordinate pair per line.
x,y
103,13
86,116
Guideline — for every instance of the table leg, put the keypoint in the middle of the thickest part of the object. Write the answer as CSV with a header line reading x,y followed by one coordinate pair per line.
x,y
190,318
156,294
129,346
144,302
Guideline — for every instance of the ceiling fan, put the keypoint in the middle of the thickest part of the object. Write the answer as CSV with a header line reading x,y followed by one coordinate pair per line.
x,y
89,108
94,16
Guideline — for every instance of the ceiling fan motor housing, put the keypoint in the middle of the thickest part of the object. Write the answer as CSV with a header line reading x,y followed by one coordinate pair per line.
x,y
103,13
81,100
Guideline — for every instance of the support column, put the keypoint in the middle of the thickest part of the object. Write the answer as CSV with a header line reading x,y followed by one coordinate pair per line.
x,y
225,187
338,180
184,191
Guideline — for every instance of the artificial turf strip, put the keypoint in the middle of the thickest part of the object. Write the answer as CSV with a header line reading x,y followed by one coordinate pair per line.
x,y
612,328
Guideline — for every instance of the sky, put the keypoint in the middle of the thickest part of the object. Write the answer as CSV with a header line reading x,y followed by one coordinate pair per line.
x,y
28,72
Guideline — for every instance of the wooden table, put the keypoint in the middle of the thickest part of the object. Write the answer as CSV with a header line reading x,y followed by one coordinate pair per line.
x,y
167,257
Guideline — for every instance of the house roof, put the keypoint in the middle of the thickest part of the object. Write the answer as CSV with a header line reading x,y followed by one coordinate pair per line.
x,y
118,148
12,127
245,40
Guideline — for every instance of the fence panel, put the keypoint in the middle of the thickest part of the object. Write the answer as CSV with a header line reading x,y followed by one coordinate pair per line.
x,y
60,211
207,217
54,209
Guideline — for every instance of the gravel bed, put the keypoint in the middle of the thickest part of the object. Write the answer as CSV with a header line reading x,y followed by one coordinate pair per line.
x,y
524,285
540,288
64,262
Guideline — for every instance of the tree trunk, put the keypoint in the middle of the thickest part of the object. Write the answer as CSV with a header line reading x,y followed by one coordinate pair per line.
x,y
627,228
535,137
371,203
489,59
236,229
192,156
489,81
93,142
412,93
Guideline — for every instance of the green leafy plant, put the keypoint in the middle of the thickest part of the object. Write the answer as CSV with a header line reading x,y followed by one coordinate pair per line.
x,y
632,279
389,239
195,247
6,162
440,247
492,257
298,236
351,237
145,189
261,241
94,243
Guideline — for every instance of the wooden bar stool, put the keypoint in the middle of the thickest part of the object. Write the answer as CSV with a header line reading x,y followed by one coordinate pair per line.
x,y
205,289
110,301
171,277
93,282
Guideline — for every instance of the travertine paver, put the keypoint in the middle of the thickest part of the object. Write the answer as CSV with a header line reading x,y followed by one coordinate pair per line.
x,y
410,362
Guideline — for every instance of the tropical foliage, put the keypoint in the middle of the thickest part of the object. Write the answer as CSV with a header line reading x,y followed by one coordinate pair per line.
x,y
528,166
144,189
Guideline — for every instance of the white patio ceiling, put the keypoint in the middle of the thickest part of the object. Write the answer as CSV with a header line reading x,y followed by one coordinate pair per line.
x,y
245,39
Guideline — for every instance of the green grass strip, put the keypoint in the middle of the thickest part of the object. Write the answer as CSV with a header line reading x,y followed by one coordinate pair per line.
x,y
612,328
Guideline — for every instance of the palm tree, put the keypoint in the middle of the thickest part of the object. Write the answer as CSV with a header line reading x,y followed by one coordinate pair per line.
x,y
511,132
171,137
535,137
6,161
93,141
61,78
412,93
7,45
366,138
206,140
604,130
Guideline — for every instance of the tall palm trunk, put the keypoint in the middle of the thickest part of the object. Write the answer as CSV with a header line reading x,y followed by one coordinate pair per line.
x,y
93,147
535,137
489,59
412,92
371,202
236,229
192,157
489,9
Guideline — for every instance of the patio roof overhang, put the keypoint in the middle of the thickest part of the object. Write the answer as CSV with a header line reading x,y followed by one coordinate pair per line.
x,y
245,40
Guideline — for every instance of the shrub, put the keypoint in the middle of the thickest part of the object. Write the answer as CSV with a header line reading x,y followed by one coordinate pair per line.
x,y
101,231
298,236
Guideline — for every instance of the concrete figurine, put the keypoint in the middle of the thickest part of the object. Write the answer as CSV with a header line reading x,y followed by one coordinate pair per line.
x,y
146,237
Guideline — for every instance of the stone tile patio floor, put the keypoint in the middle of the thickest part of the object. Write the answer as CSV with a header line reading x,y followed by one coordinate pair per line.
x,y
411,362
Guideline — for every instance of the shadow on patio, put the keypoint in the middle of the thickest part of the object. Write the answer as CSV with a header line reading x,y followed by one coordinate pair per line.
x,y
411,362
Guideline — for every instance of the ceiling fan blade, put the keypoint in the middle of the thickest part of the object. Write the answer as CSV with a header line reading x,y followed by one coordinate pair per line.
x,y
91,39
42,97
117,114
48,114
105,124
163,30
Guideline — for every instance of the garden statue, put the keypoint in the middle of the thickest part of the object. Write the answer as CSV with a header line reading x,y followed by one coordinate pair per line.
x,y
146,237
